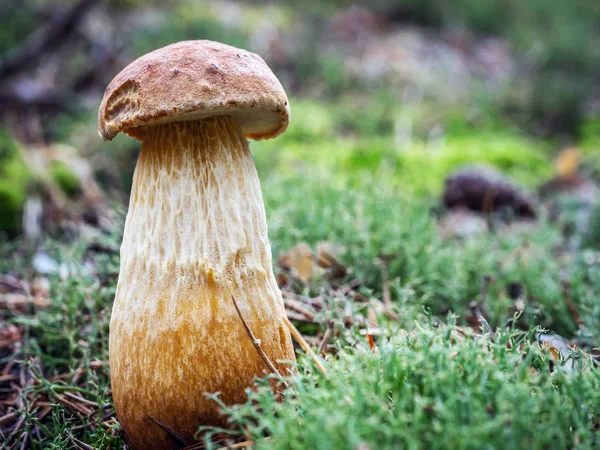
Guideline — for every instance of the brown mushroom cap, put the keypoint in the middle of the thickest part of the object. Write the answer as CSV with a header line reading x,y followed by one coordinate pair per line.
x,y
191,80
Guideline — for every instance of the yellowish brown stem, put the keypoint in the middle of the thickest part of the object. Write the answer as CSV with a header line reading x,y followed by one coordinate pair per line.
x,y
195,235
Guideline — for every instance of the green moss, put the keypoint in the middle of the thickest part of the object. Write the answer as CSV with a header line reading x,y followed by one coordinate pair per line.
x,y
433,390
524,160
14,181
430,390
64,177
367,216
590,134
316,141
11,210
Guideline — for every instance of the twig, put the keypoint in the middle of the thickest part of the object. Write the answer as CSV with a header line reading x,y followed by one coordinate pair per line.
x,y
9,366
293,315
17,426
326,338
387,310
477,307
80,370
297,307
172,433
38,432
255,341
81,445
12,282
24,440
326,261
81,399
75,406
298,336
485,283
385,276
8,417
356,296
196,446
243,444
571,306
5,378
315,302
44,412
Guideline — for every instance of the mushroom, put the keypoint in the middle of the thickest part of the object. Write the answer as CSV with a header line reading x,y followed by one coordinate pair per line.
x,y
195,235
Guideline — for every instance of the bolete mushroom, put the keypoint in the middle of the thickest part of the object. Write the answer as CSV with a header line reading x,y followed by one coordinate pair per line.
x,y
195,235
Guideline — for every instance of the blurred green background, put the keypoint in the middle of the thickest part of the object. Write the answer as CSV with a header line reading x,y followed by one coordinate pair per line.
x,y
402,90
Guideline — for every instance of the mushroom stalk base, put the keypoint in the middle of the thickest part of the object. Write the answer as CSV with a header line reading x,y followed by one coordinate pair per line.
x,y
195,235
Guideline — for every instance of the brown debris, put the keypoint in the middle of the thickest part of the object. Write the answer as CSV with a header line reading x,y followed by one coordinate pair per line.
x,y
485,190
299,266
10,336
571,306
315,302
12,283
296,317
299,261
300,339
80,445
326,338
372,343
327,260
298,307
22,383
572,183
381,308
383,260
478,316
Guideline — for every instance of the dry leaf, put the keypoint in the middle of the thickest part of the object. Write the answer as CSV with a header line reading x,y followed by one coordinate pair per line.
x,y
567,162
299,260
327,259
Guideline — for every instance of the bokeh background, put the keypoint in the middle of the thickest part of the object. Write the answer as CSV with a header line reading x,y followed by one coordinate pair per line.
x,y
404,91
442,164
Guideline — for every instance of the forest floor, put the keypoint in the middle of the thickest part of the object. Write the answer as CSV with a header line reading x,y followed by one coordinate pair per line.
x,y
438,326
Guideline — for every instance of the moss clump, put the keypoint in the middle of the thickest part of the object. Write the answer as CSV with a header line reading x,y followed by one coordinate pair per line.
x,y
64,177
431,389
14,180
321,136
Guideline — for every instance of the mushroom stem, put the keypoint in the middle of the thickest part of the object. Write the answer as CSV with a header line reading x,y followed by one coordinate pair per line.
x,y
195,235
